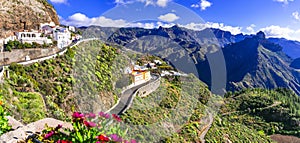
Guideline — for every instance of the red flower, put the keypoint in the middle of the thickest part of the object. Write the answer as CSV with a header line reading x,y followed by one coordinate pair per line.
x,y
91,115
89,124
63,141
78,115
104,115
103,138
117,118
49,135
58,127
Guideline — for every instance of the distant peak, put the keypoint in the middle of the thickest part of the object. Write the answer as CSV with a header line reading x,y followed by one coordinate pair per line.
x,y
261,35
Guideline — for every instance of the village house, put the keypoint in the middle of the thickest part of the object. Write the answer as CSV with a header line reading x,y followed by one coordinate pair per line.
x,y
71,28
158,62
63,37
33,36
47,33
10,38
140,74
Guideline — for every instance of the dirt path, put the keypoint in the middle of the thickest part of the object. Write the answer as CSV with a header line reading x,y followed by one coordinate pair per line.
x,y
209,120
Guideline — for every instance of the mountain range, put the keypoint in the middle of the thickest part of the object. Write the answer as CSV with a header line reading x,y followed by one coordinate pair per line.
x,y
250,60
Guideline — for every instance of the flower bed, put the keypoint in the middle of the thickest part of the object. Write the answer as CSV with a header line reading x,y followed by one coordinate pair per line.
x,y
87,128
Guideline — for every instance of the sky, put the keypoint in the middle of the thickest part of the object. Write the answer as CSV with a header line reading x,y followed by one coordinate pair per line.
x,y
277,18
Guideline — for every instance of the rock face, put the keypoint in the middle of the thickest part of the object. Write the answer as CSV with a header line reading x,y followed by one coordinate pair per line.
x,y
18,15
21,132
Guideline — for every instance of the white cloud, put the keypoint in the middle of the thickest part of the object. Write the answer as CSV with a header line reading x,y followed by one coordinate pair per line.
x,y
222,26
169,17
281,32
79,19
59,1
284,1
250,29
296,15
203,4
195,5
160,3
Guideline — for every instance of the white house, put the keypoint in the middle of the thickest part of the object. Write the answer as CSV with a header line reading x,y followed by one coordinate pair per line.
x,y
10,38
47,30
30,37
76,37
72,28
50,24
63,37
158,62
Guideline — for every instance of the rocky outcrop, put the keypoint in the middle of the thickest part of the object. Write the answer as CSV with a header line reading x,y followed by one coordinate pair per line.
x,y
18,15
23,131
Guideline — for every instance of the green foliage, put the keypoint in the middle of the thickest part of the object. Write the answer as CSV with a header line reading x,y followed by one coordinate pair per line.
x,y
54,80
175,103
4,126
29,106
223,129
271,111
19,45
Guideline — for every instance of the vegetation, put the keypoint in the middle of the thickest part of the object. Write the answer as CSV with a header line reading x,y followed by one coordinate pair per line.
x,y
4,126
254,114
58,83
176,112
86,128
19,45
168,110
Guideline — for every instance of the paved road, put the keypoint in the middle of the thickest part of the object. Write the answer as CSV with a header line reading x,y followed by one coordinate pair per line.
x,y
127,98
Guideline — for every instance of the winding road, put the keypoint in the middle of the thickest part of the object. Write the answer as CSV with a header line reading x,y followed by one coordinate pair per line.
x,y
127,97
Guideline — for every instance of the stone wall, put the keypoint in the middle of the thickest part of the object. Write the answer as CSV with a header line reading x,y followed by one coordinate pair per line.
x,y
144,91
19,55
149,88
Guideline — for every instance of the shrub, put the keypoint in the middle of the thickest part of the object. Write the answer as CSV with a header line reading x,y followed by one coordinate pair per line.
x,y
87,128
4,126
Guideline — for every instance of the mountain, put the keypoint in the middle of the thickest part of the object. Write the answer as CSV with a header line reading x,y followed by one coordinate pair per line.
x,y
291,48
251,60
18,15
295,64
256,62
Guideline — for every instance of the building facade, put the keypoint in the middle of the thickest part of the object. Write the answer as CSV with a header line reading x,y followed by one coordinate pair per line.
x,y
30,37
63,37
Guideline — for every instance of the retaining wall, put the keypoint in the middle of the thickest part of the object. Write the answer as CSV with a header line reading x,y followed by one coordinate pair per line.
x,y
149,88
143,91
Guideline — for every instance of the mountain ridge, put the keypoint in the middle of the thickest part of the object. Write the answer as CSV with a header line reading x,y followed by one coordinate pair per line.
x,y
251,60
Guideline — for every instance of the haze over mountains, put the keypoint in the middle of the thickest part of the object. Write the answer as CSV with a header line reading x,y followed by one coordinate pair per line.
x,y
251,60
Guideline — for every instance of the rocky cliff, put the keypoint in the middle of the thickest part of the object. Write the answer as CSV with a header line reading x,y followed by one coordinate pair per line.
x,y
18,15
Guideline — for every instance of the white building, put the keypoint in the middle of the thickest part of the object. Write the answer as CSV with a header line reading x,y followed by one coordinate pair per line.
x,y
76,37
71,28
10,38
30,37
63,37
158,62
50,24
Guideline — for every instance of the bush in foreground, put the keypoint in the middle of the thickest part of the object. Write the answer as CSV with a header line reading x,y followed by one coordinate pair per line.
x,y
87,128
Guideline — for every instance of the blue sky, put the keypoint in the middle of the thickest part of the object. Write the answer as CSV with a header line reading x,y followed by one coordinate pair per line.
x,y
277,18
